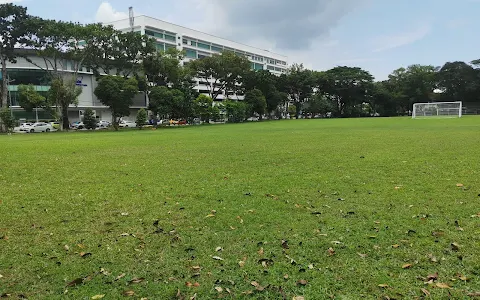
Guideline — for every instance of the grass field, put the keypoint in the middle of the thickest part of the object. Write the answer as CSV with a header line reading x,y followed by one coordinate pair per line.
x,y
341,208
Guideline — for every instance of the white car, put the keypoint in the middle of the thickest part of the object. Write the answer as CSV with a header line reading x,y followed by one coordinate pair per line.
x,y
37,127
127,124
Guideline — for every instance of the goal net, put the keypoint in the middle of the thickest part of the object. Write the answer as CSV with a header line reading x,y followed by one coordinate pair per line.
x,y
437,109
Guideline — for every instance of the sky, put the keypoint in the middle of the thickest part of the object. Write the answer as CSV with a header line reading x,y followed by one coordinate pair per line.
x,y
376,35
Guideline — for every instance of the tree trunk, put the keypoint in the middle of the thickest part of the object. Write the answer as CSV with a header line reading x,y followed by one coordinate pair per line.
x,y
65,123
4,83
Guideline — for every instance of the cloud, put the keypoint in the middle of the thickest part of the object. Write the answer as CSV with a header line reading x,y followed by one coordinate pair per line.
x,y
402,39
106,13
9,1
286,24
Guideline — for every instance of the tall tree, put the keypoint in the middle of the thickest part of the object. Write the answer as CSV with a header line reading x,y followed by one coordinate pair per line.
x,y
63,93
226,71
348,88
459,81
15,29
29,99
163,68
266,82
256,103
117,93
298,83
203,107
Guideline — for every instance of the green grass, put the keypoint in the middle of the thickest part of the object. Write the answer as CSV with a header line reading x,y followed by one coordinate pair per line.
x,y
396,180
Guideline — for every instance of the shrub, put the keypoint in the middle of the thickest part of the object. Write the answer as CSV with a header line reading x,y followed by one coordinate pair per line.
x,y
6,119
89,119
141,118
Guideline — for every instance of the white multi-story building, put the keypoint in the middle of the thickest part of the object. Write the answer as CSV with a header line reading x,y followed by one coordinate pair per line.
x,y
197,45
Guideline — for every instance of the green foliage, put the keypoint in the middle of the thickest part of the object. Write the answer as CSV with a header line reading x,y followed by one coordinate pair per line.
x,y
292,110
236,111
15,29
203,107
167,102
117,93
266,82
63,94
319,104
459,82
298,83
256,103
163,68
141,118
6,119
216,113
29,98
89,119
226,69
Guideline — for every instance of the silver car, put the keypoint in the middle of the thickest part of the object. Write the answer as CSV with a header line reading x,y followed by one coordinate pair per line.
x,y
36,127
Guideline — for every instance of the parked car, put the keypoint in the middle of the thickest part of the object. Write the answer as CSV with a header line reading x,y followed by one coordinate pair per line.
x,y
55,125
78,125
182,122
37,127
103,124
127,124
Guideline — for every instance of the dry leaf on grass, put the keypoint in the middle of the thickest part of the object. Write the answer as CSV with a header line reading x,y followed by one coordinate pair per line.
x,y
331,252
75,282
442,285
136,280
219,289
128,293
383,285
432,276
459,184
455,246
298,298
120,276
406,266
426,292
260,251
241,263
217,258
302,282
96,297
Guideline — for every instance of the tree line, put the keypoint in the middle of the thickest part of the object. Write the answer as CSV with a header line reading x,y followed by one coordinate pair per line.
x,y
126,63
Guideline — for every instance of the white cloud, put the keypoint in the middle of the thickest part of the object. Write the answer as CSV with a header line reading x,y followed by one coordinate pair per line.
x,y
9,1
384,43
106,13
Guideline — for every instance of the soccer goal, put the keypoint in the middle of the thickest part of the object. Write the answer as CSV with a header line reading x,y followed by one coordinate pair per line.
x,y
437,109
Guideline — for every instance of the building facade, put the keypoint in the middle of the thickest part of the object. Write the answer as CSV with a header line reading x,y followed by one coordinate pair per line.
x,y
197,45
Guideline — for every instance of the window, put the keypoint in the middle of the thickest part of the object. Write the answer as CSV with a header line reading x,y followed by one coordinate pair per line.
x,y
194,44
170,38
252,66
217,48
278,69
168,46
203,46
200,56
190,53
185,42
270,68
160,46
258,67
149,32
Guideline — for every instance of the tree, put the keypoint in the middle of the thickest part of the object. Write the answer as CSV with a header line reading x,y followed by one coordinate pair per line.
x,y
413,84
256,103
319,105
383,101
298,83
225,70
203,107
167,102
163,68
459,82
89,119
236,111
64,93
266,82
141,118
15,29
348,88
29,99
6,119
292,110
117,93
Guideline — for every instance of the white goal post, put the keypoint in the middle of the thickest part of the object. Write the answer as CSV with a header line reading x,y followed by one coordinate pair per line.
x,y
437,109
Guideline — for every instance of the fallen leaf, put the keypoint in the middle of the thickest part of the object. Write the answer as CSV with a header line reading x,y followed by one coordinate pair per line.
x,y
298,298
260,251
406,266
124,214
285,244
383,285
443,285
426,292
219,289
210,216
331,252
66,247
188,284
311,266
120,276
455,246
336,242
432,258
128,293
97,297
85,254
396,246
362,255
196,284
1,276
302,282
463,278
136,280
241,263
254,283
218,249
474,294
75,282
459,184
397,187
217,258
125,234
285,276
432,276
196,268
